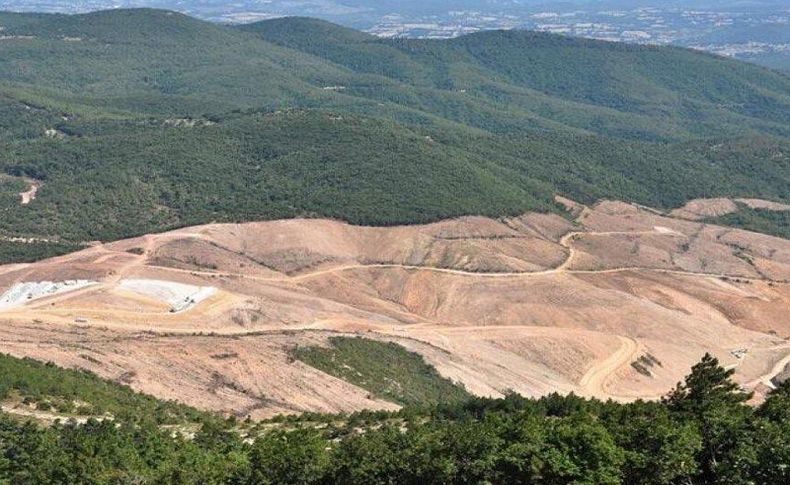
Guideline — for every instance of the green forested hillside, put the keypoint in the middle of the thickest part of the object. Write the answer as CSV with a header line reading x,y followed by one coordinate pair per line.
x,y
143,120
73,392
776,223
386,369
531,78
701,433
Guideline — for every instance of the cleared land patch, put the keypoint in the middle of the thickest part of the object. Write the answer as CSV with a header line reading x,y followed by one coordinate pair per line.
x,y
534,304
759,215
30,194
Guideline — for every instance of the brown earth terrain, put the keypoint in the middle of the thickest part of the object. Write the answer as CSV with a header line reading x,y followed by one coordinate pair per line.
x,y
617,303
699,209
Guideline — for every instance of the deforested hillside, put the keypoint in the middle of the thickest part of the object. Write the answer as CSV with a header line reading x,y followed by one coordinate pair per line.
x,y
133,121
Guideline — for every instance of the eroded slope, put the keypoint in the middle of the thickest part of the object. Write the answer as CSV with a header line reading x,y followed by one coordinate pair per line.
x,y
618,302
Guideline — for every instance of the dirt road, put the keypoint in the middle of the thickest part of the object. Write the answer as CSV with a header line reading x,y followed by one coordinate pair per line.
x,y
595,379
767,378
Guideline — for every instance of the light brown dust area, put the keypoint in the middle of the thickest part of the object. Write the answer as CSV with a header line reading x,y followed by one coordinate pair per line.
x,y
617,303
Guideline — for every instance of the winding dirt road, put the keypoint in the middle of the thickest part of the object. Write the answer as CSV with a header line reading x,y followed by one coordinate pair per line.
x,y
595,379
565,241
767,378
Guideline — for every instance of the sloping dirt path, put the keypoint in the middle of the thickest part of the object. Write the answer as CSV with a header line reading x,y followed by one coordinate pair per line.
x,y
767,378
523,274
45,416
595,379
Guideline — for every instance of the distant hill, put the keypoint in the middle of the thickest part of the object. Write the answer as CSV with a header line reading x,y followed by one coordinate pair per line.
x,y
642,92
141,120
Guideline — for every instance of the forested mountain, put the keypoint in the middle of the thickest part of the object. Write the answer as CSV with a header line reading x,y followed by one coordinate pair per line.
x,y
140,120
642,92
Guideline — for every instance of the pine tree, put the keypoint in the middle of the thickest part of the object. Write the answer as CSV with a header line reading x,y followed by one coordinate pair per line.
x,y
714,402
708,385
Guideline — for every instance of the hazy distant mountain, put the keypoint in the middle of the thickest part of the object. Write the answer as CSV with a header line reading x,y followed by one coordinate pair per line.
x,y
731,28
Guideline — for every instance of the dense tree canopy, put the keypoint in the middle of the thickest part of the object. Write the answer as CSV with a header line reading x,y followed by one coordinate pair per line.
x,y
702,433
140,120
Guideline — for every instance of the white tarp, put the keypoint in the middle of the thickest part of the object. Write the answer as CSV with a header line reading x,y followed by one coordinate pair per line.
x,y
179,296
21,293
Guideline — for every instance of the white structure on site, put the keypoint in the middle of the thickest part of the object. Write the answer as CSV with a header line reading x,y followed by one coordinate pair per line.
x,y
179,296
21,293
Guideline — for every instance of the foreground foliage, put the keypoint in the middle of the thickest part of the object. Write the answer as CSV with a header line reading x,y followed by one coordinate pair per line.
x,y
702,433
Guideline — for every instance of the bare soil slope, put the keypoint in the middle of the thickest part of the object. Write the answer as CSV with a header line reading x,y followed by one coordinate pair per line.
x,y
617,303
699,209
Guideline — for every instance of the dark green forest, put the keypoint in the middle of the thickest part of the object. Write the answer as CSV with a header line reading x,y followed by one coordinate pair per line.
x,y
385,369
143,120
776,223
702,432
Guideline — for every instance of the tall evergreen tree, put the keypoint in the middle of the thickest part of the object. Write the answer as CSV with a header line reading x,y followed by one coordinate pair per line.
x,y
714,402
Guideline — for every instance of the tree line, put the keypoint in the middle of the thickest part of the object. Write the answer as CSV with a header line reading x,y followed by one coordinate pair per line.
x,y
702,432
